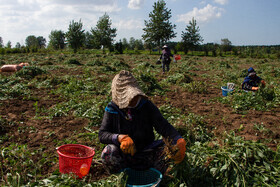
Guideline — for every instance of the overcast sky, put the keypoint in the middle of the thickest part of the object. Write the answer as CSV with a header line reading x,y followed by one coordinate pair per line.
x,y
243,22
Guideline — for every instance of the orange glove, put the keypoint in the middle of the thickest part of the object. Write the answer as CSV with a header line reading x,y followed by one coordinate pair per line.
x,y
263,83
127,144
255,88
180,155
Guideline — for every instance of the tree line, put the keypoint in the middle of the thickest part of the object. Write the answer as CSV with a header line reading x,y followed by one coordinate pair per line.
x,y
158,31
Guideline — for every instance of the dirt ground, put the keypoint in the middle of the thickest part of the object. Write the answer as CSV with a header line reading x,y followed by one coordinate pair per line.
x,y
219,117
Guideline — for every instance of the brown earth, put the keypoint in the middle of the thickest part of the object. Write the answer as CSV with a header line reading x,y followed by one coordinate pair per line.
x,y
38,132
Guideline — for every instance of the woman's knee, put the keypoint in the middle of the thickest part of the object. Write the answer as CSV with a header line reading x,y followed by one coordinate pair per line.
x,y
111,158
109,152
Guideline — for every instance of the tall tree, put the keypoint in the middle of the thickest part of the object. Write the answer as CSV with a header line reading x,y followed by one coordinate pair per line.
x,y
139,44
125,43
18,45
149,46
103,34
1,42
31,41
158,30
75,35
226,45
191,38
57,39
88,40
131,43
119,47
9,44
41,41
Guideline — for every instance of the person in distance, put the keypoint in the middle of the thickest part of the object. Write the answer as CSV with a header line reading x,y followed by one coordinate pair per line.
x,y
165,58
252,82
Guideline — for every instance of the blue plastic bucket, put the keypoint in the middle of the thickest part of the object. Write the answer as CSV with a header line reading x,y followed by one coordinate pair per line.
x,y
225,91
145,178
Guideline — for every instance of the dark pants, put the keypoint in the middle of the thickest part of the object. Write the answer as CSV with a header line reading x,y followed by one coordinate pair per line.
x,y
165,64
115,160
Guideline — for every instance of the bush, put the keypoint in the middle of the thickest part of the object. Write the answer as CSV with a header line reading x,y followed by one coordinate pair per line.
x,y
179,78
234,163
262,100
120,65
73,61
197,87
148,83
95,62
29,72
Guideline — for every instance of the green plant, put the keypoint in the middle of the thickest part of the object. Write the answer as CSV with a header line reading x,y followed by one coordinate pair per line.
x,y
68,180
261,128
18,165
170,113
29,72
234,163
179,78
95,62
263,100
148,82
120,65
73,61
193,128
197,87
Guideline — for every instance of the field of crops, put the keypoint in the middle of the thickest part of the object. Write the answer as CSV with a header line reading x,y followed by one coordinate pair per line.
x,y
60,99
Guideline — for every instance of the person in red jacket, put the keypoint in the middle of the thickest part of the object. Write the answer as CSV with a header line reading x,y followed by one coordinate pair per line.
x,y
128,129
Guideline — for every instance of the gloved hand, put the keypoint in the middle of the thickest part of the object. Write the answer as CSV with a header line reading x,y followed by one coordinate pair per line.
x,y
263,83
180,155
255,88
127,144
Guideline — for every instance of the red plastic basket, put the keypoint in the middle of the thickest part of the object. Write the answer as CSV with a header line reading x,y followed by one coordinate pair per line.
x,y
177,57
75,158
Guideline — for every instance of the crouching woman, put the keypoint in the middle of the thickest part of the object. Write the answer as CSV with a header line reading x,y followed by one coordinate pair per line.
x,y
128,129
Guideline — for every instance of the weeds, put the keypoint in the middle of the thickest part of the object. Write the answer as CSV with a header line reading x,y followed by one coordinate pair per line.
x,y
148,83
29,72
262,100
73,61
67,180
179,78
197,87
18,166
234,163
95,62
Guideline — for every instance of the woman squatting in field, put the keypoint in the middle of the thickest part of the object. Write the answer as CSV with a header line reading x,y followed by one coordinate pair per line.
x,y
128,129
252,82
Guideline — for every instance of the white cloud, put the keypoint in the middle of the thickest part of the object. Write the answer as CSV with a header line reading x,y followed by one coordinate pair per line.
x,y
202,15
221,2
129,24
202,2
135,4
21,18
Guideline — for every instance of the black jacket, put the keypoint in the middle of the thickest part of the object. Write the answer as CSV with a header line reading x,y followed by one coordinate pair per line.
x,y
250,82
145,118
165,56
